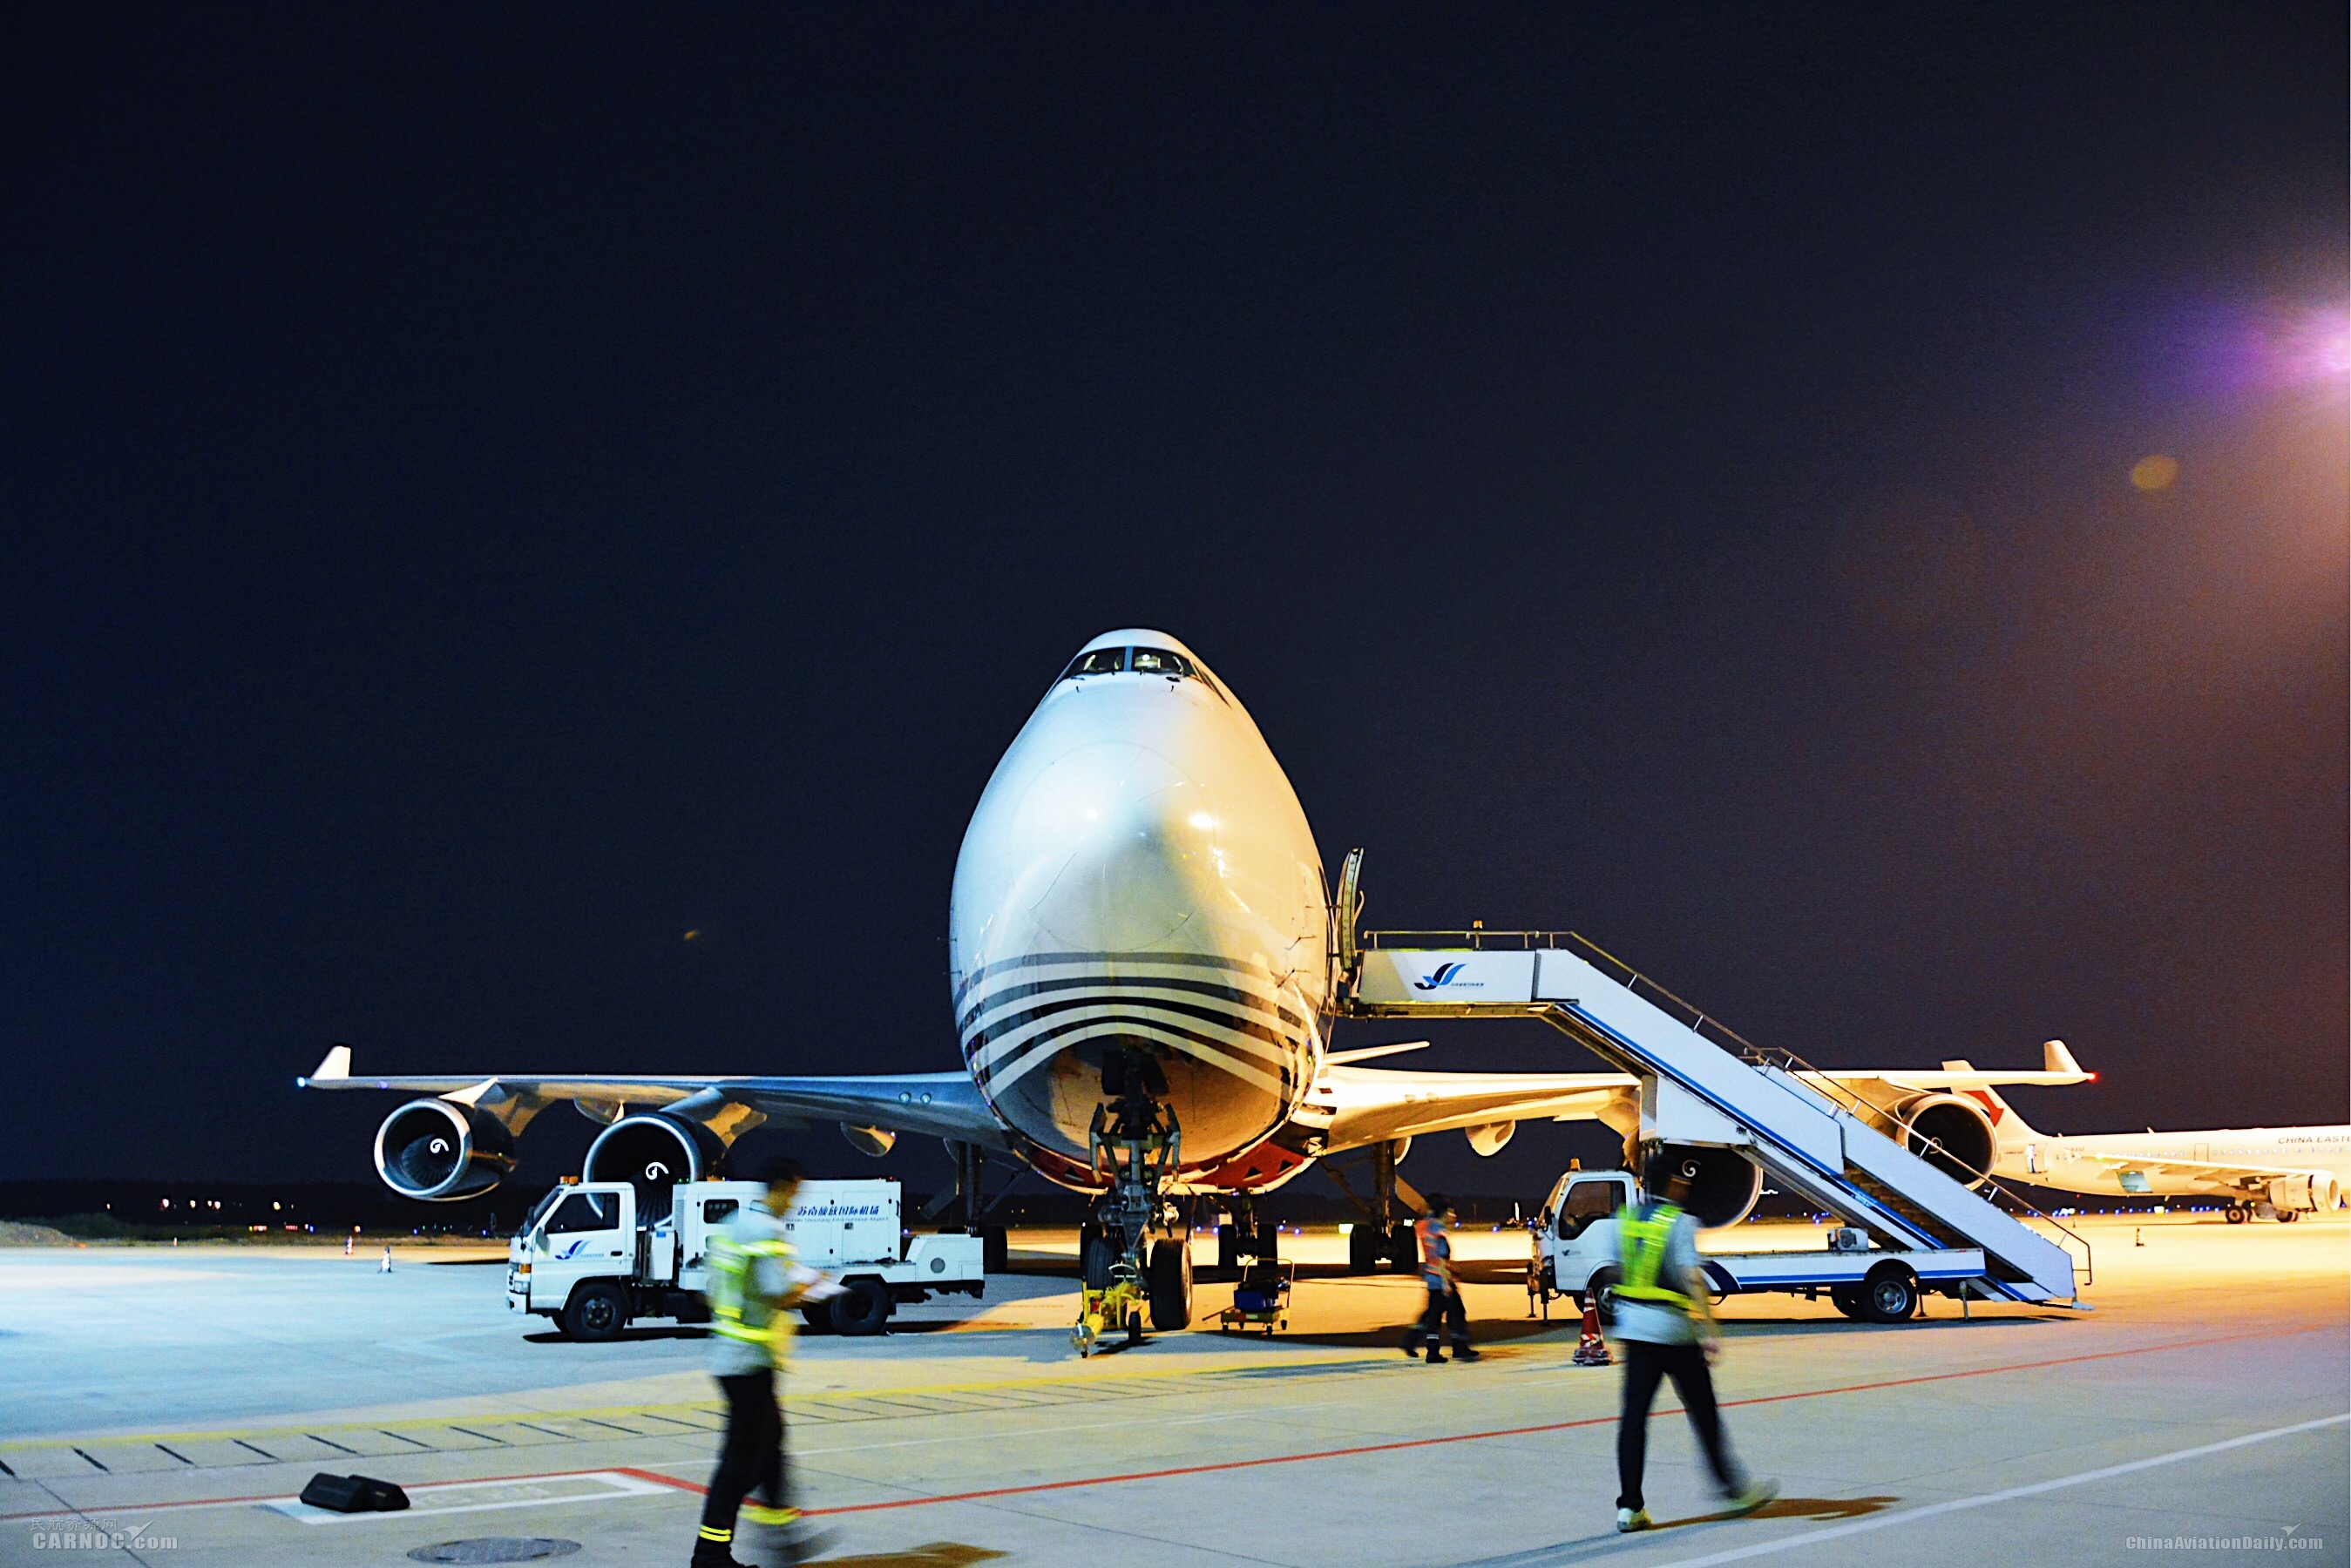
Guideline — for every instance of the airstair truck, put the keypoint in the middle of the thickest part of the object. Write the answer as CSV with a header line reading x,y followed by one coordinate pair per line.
x,y
595,1255
1577,1249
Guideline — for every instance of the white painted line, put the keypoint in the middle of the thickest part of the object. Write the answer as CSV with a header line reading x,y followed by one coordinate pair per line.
x,y
1886,1520
585,1485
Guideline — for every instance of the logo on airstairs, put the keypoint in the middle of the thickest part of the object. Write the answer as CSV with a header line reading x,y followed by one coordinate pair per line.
x,y
1448,977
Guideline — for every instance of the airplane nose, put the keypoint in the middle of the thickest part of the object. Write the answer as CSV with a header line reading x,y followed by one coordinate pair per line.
x,y
1132,823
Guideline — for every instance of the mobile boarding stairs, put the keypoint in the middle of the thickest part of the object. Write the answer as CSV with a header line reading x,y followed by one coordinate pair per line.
x,y
1695,1091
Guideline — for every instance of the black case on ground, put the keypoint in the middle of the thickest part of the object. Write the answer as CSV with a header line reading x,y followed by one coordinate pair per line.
x,y
354,1494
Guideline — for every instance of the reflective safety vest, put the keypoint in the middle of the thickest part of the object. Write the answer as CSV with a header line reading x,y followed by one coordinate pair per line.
x,y
1641,1237
1425,1231
737,1309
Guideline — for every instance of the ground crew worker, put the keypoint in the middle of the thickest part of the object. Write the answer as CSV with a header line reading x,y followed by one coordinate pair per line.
x,y
1445,1305
1668,1330
753,1281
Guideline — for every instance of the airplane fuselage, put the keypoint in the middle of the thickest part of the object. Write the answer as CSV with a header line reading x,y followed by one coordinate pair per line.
x,y
1138,884
2132,1164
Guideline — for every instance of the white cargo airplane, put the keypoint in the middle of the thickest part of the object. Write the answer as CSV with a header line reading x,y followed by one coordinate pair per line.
x,y
2285,1172
1143,958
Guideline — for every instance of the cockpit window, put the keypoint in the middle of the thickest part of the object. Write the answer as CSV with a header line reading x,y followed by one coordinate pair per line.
x,y
1159,661
1097,661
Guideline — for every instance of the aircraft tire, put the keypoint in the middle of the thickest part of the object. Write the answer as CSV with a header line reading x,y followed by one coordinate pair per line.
x,y
1170,1281
1364,1245
2236,1213
1403,1248
1096,1252
995,1250
2288,1215
1890,1294
597,1311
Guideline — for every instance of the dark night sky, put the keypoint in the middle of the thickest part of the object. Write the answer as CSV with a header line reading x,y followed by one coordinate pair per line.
x,y
481,497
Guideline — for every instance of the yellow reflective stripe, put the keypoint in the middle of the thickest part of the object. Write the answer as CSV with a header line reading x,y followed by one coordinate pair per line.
x,y
712,1533
778,1516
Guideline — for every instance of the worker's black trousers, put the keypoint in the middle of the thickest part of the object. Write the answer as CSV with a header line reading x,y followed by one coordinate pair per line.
x,y
1644,1365
753,1455
1445,1311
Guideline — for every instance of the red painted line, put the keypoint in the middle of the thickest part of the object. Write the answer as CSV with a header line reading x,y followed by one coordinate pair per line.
x,y
1406,1443
67,1512
1397,1446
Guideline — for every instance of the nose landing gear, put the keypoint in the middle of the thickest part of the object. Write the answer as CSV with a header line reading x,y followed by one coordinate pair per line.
x,y
1134,1142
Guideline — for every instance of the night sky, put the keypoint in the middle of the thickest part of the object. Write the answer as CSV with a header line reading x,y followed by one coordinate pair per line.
x,y
484,495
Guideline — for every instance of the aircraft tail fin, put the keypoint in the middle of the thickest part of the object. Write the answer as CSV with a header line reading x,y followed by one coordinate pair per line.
x,y
334,1068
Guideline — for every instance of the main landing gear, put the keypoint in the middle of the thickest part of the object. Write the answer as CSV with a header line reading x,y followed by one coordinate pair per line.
x,y
1124,1274
1387,1242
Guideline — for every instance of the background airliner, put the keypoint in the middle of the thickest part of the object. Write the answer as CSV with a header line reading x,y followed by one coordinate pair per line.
x,y
2286,1172
1143,952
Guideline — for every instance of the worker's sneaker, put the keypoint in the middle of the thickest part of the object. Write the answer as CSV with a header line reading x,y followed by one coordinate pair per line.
x,y
1411,1347
1751,1497
1629,1520
1465,1354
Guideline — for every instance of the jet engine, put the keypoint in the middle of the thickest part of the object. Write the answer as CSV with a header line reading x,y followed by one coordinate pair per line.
x,y
1968,1145
2293,1194
653,1153
441,1151
1489,1138
871,1142
1723,1183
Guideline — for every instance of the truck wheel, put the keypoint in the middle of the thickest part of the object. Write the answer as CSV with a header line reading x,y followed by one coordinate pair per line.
x,y
1600,1289
1365,1244
1890,1293
862,1307
597,1311
1171,1286
1847,1299
817,1316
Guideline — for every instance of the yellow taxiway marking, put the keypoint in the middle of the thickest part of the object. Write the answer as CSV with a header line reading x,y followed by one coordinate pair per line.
x,y
1108,1381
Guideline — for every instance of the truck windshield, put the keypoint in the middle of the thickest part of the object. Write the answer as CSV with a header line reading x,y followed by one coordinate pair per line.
x,y
583,1212
1586,1201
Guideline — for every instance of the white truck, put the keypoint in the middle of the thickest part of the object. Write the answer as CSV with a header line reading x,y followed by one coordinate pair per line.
x,y
1576,1252
592,1258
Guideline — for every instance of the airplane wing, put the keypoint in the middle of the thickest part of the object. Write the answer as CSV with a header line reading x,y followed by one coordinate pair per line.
x,y
943,1104
2058,1069
1374,1104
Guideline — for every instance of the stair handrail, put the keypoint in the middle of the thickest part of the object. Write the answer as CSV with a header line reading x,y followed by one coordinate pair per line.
x,y
1829,1088
1703,1023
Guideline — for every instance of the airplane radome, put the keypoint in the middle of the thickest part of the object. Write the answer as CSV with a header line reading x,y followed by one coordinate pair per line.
x,y
1139,895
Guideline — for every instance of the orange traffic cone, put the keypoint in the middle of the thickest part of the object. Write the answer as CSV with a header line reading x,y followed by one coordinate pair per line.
x,y
1593,1350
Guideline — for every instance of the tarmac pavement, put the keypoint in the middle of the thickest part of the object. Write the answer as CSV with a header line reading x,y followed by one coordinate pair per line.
x,y
165,1405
